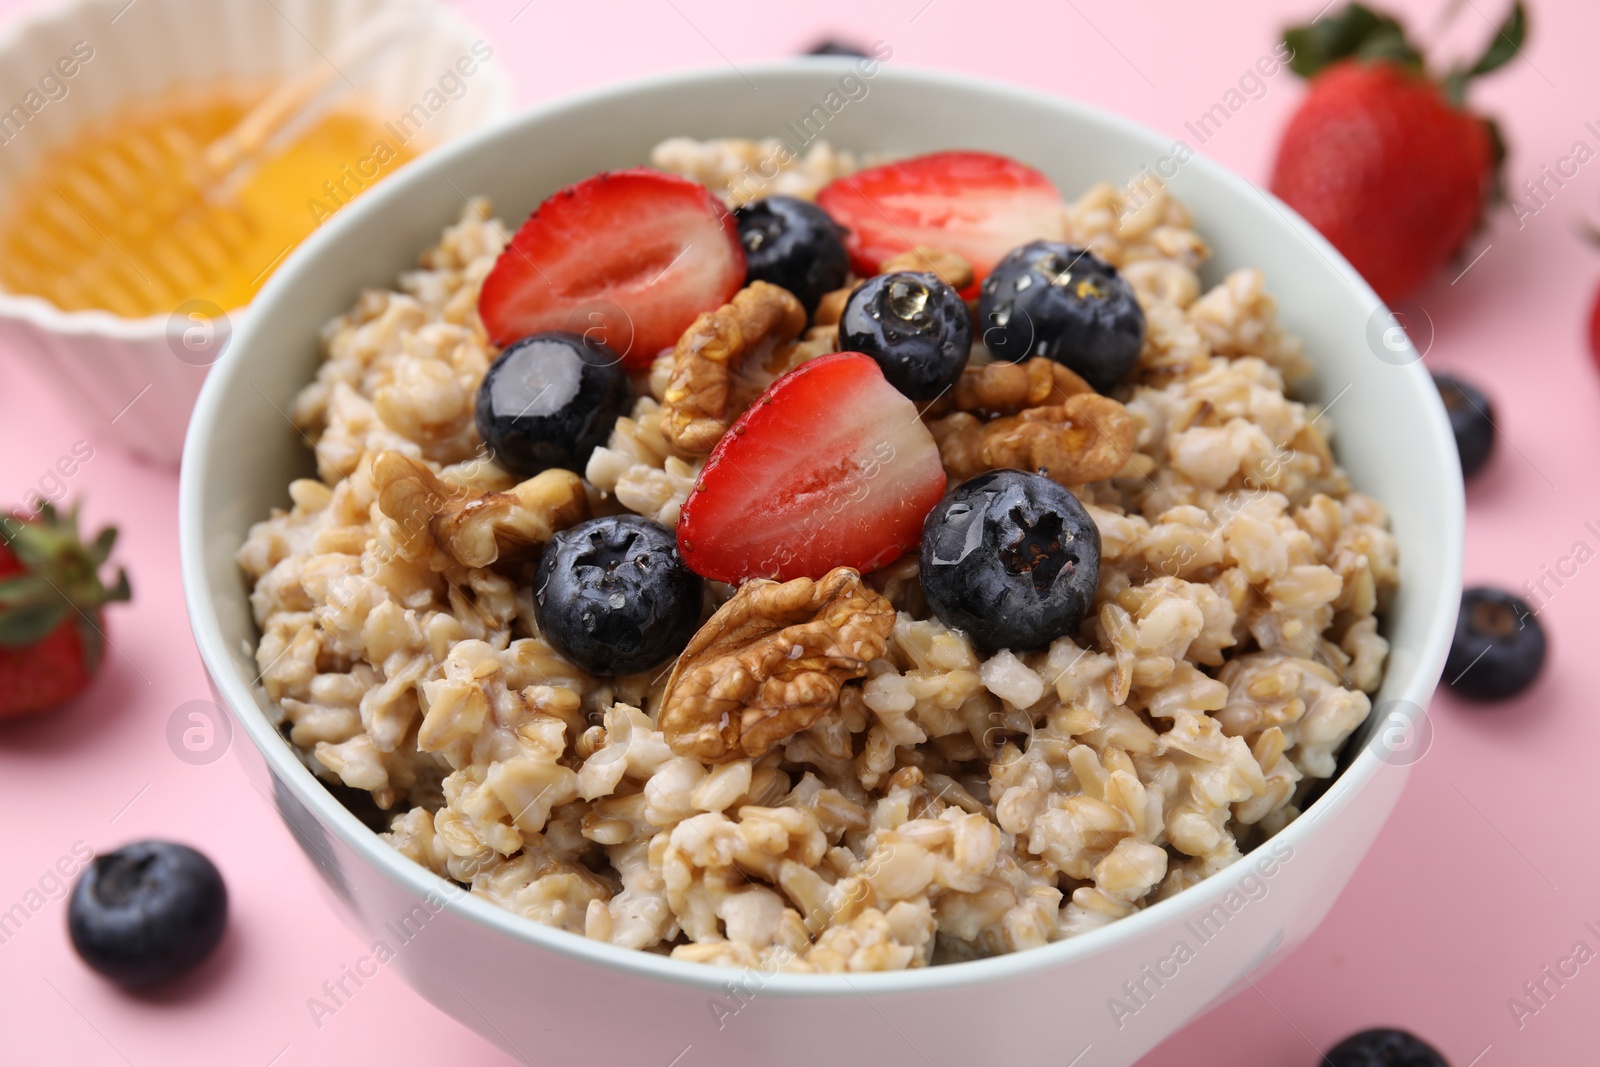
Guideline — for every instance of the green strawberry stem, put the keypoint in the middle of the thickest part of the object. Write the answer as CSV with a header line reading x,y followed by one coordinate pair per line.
x,y
60,576
1358,32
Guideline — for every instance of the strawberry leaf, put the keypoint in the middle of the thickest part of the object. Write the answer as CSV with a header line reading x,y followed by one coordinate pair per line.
x,y
1497,146
1508,40
24,589
120,591
1506,43
1389,43
34,545
29,624
1355,32
100,551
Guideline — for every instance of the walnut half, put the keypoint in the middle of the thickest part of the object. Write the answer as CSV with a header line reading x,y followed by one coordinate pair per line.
x,y
1008,388
1083,439
947,266
475,529
770,663
695,406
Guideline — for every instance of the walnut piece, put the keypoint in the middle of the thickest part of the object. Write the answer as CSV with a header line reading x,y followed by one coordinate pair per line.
x,y
695,410
473,528
1009,388
950,268
831,307
1083,439
770,663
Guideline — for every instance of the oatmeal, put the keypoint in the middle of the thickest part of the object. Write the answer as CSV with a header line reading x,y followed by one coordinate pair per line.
x,y
827,775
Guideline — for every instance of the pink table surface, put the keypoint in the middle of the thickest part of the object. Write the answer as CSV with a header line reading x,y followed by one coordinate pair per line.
x,y
1486,874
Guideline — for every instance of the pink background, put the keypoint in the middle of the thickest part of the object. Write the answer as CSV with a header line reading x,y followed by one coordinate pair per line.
x,y
1487,871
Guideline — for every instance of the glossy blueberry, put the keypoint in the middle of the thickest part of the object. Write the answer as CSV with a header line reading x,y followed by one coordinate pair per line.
x,y
550,400
1052,299
915,326
1383,1048
836,48
1471,419
613,596
1499,646
794,244
147,913
1011,558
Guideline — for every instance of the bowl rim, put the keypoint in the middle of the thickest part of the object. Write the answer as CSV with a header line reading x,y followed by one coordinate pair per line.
x,y
43,315
1424,668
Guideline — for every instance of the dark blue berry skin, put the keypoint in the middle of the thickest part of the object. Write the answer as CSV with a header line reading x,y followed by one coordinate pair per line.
x,y
836,48
1471,419
1499,647
916,327
1012,559
147,913
1383,1048
613,596
550,400
793,244
1052,299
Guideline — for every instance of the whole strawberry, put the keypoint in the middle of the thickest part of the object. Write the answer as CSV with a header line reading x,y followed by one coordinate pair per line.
x,y
51,624
1382,158
1594,329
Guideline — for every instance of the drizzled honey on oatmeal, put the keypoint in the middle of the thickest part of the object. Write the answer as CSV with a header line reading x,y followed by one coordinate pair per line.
x,y
120,217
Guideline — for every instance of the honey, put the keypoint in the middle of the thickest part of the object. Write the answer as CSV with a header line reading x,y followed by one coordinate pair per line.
x,y
119,217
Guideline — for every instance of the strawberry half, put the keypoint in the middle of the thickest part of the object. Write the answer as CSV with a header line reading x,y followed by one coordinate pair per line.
x,y
977,205
831,467
627,257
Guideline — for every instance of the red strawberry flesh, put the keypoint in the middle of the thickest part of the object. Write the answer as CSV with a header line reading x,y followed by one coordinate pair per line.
x,y
977,205
629,257
831,467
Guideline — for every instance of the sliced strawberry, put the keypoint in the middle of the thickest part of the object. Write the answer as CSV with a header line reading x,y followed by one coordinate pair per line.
x,y
831,467
628,257
977,205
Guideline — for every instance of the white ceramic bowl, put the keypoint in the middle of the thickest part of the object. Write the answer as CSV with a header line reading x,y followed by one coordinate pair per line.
x,y
552,997
134,381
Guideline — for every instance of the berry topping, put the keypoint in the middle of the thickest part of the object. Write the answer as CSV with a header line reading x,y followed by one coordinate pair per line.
x,y
915,326
613,597
1471,419
830,467
1381,155
550,400
147,913
1382,1048
977,205
793,244
1594,329
836,48
1051,299
1011,558
628,258
1499,647
52,626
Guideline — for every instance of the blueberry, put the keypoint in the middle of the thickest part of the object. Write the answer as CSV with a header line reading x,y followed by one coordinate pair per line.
x,y
1382,1048
917,328
836,48
1052,299
550,400
613,596
147,913
1498,649
793,244
1471,419
1011,558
